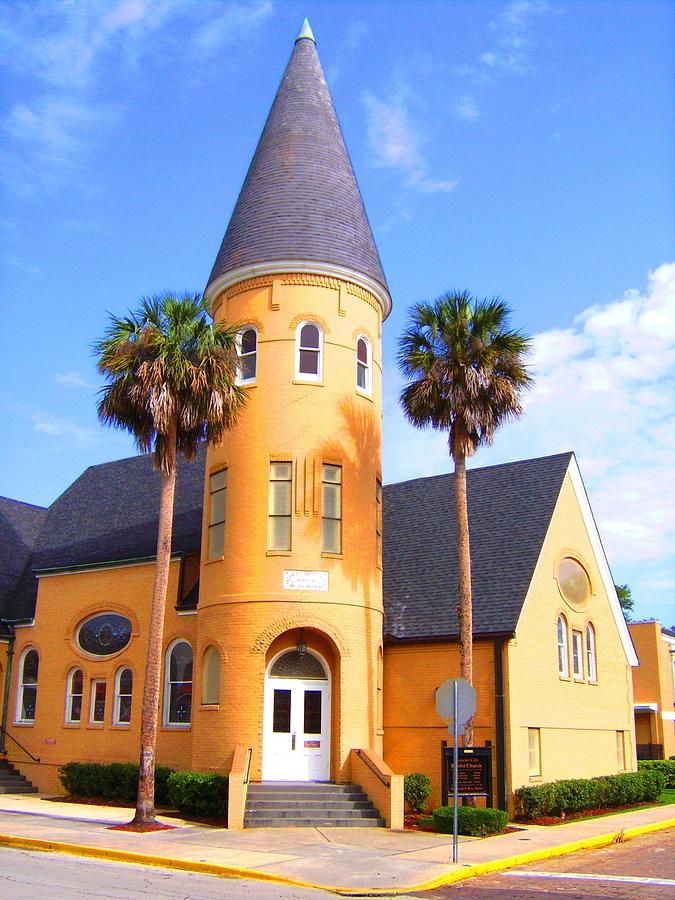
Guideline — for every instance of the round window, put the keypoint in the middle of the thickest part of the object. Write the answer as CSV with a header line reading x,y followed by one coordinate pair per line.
x,y
104,634
573,580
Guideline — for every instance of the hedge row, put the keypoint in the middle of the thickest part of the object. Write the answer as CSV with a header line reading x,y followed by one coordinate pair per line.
x,y
575,795
199,795
666,766
111,781
473,821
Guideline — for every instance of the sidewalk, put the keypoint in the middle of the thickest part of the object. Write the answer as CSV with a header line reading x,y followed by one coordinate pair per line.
x,y
347,860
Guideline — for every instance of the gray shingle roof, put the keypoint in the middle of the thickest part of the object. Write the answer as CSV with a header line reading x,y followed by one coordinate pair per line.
x,y
110,513
20,525
300,199
510,507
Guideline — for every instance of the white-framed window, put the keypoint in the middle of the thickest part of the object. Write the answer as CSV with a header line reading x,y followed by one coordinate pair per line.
x,y
591,662
620,751
178,683
279,506
364,366
217,498
211,676
534,752
99,689
308,352
563,655
26,700
247,348
331,508
578,655
75,686
124,687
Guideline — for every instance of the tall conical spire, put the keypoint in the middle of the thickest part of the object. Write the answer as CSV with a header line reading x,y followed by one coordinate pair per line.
x,y
305,31
300,208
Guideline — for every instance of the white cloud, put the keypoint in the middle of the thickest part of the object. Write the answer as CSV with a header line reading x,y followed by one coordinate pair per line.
x,y
61,50
466,108
70,432
72,379
396,144
605,388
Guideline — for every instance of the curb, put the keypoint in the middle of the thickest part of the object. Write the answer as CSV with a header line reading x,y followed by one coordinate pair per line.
x,y
204,868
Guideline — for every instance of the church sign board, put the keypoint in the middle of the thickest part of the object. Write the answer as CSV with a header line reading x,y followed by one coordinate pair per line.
x,y
474,772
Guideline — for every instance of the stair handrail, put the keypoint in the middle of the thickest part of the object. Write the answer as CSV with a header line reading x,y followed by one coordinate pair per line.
x,y
18,744
385,779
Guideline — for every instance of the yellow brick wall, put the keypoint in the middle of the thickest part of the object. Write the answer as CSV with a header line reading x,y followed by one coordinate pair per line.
x,y
413,730
577,721
64,601
243,607
653,683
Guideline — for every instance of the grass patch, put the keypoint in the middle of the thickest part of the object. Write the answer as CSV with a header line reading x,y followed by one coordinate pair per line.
x,y
667,796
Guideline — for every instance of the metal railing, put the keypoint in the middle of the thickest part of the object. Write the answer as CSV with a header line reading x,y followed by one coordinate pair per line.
x,y
18,744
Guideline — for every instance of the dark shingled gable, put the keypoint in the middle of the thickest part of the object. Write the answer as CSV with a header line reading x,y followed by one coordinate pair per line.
x,y
110,514
20,525
300,199
510,507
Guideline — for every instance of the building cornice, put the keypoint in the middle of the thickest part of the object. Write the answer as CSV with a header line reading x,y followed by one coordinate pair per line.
x,y
301,266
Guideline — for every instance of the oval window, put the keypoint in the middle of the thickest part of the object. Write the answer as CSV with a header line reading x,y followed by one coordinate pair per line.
x,y
104,634
574,583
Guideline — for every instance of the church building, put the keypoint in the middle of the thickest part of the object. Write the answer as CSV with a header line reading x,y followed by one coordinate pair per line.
x,y
311,612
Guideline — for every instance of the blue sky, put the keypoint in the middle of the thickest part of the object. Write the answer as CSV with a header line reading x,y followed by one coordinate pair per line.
x,y
516,148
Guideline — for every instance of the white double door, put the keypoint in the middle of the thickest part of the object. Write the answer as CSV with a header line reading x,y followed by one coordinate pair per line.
x,y
296,740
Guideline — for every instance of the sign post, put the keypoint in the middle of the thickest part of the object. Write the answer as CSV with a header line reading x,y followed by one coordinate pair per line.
x,y
456,703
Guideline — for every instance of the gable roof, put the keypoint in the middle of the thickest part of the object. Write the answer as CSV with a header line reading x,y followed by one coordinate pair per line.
x,y
20,525
110,513
510,507
300,201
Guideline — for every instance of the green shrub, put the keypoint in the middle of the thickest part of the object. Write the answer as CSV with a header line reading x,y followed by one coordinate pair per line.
x,y
472,821
575,795
199,795
111,781
416,791
667,766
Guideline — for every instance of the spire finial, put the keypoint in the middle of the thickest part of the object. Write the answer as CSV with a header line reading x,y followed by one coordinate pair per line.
x,y
305,31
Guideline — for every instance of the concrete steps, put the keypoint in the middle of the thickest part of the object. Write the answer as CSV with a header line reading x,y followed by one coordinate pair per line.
x,y
12,781
285,804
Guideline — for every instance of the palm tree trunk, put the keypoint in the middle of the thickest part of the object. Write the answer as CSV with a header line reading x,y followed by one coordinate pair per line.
x,y
464,610
145,803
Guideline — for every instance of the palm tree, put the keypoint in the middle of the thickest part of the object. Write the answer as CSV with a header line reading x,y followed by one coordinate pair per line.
x,y
465,373
171,383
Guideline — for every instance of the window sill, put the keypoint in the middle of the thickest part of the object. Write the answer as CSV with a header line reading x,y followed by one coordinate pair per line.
x,y
367,395
214,559
380,732
307,382
72,724
187,727
278,553
122,726
564,677
247,384
536,778
24,723
95,726
209,707
326,555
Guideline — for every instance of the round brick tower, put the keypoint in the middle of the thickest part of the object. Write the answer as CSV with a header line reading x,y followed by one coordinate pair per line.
x,y
289,654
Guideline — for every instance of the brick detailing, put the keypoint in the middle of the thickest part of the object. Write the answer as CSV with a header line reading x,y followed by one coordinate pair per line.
x,y
301,620
309,317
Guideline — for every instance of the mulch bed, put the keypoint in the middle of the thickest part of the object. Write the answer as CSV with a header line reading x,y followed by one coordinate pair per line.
x,y
142,829
584,814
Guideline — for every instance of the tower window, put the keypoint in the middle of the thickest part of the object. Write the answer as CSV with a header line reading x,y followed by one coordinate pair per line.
x,y
247,345
217,495
331,509
279,507
363,366
210,676
309,347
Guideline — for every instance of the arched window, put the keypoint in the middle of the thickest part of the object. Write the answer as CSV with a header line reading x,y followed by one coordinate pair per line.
x,y
247,345
591,663
309,348
74,696
28,680
124,683
178,684
210,676
364,368
563,655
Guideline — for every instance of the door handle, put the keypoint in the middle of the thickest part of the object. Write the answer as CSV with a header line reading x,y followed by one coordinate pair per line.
x,y
293,741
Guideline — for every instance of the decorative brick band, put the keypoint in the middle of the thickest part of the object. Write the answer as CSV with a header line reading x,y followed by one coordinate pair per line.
x,y
289,623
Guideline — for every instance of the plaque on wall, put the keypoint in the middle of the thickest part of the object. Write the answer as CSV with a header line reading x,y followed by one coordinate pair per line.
x,y
295,580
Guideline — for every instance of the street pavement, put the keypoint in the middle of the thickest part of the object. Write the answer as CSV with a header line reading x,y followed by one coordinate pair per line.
x,y
350,860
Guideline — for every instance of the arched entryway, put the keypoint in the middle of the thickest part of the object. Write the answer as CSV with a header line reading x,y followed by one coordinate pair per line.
x,y
296,732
